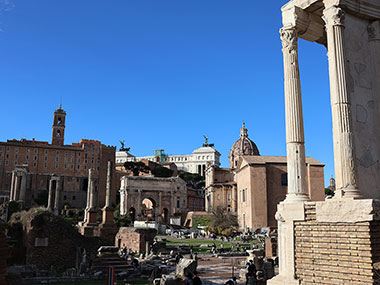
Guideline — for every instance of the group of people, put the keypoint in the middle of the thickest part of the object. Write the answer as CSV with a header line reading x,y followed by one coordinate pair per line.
x,y
193,279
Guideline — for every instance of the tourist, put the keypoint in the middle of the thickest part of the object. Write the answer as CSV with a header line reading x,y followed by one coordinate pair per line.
x,y
213,248
196,279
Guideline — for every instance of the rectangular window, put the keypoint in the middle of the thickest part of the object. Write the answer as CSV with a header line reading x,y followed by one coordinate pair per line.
x,y
1,148
74,198
35,157
66,153
72,166
45,165
228,197
78,160
57,159
284,179
15,163
46,151
8,148
56,166
85,167
35,164
27,157
64,197
16,149
72,154
178,203
28,150
36,151
16,156
46,158
7,155
79,153
78,166
65,166
218,196
6,162
57,152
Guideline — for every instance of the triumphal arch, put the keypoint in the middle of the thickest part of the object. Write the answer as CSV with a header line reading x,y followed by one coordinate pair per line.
x,y
336,241
147,198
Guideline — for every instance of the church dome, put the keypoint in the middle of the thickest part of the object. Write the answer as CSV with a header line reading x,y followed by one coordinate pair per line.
x,y
243,146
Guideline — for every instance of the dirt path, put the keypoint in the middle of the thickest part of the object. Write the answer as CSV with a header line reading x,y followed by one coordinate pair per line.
x,y
213,270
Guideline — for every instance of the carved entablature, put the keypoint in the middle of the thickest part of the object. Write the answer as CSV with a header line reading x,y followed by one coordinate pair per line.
x,y
333,16
374,31
309,26
289,38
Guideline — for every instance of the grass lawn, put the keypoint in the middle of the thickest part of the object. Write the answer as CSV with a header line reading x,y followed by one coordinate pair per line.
x,y
196,243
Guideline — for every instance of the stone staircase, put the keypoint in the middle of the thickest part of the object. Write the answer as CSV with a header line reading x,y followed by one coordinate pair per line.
x,y
101,263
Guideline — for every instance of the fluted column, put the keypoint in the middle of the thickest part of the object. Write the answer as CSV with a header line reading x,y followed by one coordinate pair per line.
x,y
344,148
57,196
50,197
11,194
295,142
109,185
23,187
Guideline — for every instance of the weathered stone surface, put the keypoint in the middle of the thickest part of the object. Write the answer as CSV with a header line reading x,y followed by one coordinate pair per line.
x,y
185,266
63,239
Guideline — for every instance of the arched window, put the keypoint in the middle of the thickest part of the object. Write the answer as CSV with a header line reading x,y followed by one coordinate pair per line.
x,y
58,133
59,121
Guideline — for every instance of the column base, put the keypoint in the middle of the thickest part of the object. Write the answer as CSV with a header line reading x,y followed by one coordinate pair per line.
x,y
296,197
283,280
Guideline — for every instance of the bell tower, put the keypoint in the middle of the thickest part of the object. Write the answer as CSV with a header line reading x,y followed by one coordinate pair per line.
x,y
58,134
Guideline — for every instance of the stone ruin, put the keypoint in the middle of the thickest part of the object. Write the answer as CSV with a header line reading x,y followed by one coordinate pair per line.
x,y
334,241
135,240
90,226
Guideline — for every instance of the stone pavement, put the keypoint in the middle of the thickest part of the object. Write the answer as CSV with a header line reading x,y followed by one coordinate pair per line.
x,y
214,270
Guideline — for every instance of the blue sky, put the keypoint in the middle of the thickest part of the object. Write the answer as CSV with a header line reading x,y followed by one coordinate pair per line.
x,y
157,74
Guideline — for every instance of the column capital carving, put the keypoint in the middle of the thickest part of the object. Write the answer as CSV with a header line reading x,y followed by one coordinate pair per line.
x,y
333,16
374,31
289,38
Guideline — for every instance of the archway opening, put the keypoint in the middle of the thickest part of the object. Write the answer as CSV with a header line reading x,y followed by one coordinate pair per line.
x,y
148,209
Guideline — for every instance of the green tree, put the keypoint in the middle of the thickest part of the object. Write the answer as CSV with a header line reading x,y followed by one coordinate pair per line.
x,y
121,220
161,171
329,192
136,167
193,180
222,221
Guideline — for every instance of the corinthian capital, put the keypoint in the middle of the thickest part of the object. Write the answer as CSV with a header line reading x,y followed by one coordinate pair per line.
x,y
333,16
288,38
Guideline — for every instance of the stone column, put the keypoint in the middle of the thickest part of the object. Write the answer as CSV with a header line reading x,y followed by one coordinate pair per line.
x,y
344,148
90,171
23,187
138,214
50,197
57,196
11,194
109,185
159,206
92,195
295,142
234,198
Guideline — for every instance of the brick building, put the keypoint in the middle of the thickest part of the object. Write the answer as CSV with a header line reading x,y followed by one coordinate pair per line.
x,y
195,200
29,165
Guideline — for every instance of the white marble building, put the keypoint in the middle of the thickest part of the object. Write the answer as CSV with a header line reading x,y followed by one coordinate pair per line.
x,y
193,163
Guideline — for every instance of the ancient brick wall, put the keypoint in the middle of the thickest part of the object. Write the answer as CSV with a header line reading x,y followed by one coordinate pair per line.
x,y
335,253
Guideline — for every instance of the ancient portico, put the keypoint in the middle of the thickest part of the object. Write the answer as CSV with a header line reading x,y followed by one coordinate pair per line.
x,y
152,198
18,184
334,241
